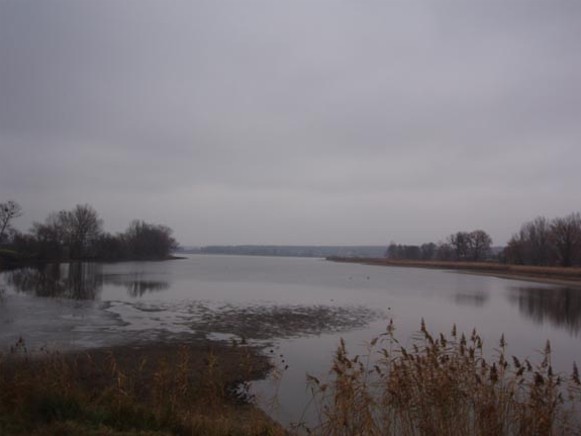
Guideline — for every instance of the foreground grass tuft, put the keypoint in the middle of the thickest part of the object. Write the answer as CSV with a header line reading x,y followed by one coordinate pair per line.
x,y
444,385
441,385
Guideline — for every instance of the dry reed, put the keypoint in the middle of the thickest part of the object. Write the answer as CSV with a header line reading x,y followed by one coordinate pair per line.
x,y
441,385
444,385
572,274
60,394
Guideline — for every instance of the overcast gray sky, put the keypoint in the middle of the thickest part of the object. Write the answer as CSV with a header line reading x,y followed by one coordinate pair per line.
x,y
295,122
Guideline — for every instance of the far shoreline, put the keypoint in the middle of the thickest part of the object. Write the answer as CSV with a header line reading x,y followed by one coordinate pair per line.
x,y
545,274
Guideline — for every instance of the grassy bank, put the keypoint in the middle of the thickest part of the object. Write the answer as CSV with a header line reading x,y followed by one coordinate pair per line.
x,y
148,390
567,276
440,384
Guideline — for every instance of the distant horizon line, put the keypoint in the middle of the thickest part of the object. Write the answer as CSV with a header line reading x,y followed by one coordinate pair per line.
x,y
300,245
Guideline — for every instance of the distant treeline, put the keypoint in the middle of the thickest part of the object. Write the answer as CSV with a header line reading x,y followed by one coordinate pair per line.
x,y
294,250
547,242
78,234
473,246
540,242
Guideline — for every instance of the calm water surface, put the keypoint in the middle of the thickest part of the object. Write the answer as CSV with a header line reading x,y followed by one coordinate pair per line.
x,y
300,307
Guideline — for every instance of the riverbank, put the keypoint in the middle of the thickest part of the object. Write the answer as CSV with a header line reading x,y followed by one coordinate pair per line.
x,y
159,388
550,275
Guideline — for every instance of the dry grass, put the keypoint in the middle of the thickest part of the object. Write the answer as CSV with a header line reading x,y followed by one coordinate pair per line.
x,y
542,272
170,391
444,386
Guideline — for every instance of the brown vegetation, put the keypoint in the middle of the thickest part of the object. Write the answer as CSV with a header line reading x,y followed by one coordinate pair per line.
x,y
444,386
159,389
570,275
440,385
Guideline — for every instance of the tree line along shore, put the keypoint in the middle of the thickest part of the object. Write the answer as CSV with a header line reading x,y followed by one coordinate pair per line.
x,y
542,250
78,235
443,385
540,242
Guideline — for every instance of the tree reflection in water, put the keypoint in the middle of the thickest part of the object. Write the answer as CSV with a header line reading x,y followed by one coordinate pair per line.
x,y
471,298
77,281
558,306
136,286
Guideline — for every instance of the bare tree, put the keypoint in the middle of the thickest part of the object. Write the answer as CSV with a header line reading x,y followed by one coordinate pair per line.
x,y
479,243
444,251
536,240
428,251
515,250
49,237
81,227
149,241
392,251
8,211
566,236
459,242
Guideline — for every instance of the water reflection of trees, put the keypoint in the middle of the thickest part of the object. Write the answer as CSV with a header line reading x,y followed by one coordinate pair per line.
x,y
135,285
77,281
559,306
471,299
139,288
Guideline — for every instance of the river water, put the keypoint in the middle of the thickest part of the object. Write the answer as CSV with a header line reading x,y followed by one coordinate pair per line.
x,y
298,307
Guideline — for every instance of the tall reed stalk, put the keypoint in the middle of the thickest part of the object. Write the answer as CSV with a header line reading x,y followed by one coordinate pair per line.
x,y
444,385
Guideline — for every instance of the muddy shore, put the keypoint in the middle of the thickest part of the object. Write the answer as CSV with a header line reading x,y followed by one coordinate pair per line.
x,y
228,347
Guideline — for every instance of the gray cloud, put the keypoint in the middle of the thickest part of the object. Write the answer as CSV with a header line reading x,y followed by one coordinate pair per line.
x,y
298,122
